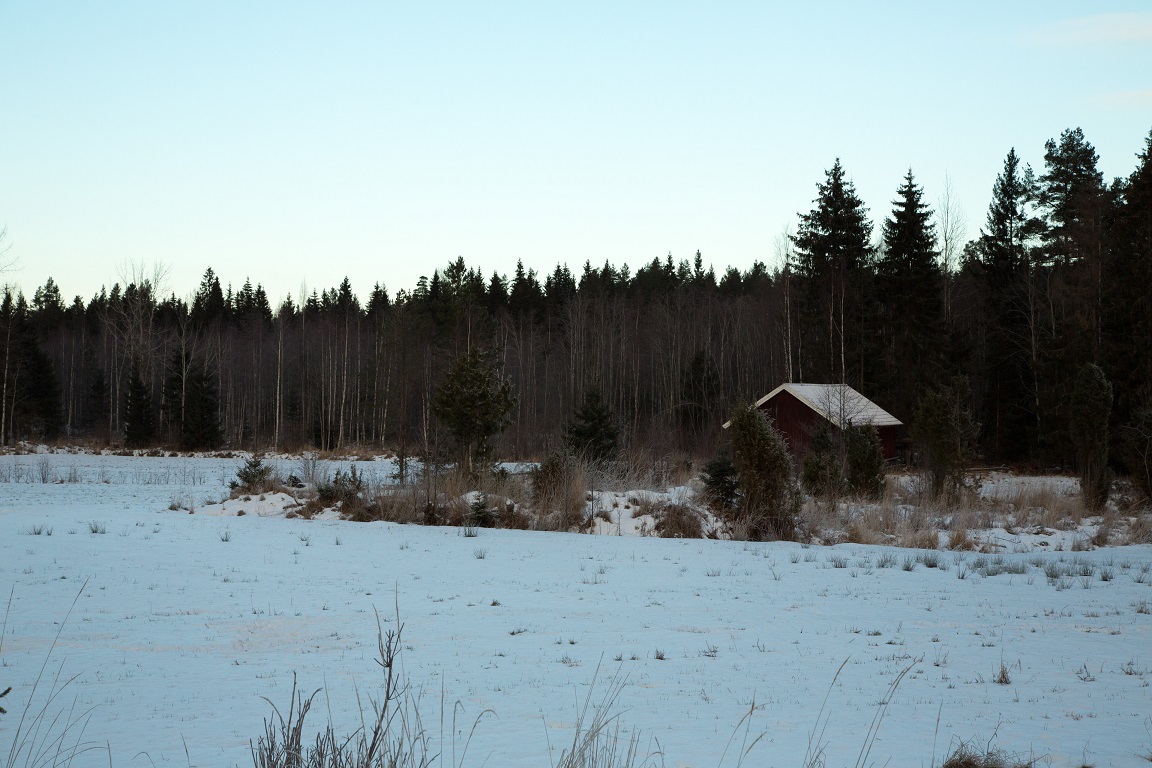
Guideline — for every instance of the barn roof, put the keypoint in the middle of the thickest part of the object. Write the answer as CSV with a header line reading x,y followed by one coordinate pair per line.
x,y
838,403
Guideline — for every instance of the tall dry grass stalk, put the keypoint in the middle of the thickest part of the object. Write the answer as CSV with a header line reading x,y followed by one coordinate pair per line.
x,y
392,733
50,732
599,739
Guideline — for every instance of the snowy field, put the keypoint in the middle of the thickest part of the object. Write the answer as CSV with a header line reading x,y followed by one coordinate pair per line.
x,y
187,620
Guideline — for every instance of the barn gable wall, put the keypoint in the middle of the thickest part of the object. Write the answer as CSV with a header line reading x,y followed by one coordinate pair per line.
x,y
797,422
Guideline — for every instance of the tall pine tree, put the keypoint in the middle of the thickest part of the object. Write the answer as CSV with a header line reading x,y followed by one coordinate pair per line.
x,y
1075,205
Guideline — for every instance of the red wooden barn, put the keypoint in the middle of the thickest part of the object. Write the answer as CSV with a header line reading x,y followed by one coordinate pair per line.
x,y
798,409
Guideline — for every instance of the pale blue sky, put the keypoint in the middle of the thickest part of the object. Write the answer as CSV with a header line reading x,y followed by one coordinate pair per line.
x,y
293,142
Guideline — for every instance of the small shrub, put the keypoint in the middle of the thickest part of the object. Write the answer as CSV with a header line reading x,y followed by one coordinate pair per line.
x,y
254,477
480,514
345,489
945,433
676,521
821,472
721,485
593,433
865,461
558,490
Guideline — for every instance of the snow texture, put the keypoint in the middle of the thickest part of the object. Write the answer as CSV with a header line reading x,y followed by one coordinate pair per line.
x,y
186,621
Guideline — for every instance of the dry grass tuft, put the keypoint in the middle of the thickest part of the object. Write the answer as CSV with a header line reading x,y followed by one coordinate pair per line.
x,y
1031,505
1140,529
926,538
559,491
967,756
392,734
677,521
959,540
599,739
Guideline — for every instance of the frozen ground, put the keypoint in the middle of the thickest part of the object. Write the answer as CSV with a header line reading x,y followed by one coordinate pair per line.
x,y
188,620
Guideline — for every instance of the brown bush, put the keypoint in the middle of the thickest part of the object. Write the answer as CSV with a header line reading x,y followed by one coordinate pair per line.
x,y
559,488
677,521
515,517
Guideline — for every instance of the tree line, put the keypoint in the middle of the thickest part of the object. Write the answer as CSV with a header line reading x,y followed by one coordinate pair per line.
x,y
1059,275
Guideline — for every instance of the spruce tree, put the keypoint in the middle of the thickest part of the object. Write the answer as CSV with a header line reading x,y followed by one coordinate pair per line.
x,y
39,396
474,401
593,433
139,418
721,481
200,428
831,260
769,497
95,407
1005,251
909,287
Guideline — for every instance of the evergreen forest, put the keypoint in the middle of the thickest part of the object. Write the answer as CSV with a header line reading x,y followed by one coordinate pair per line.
x,y
896,303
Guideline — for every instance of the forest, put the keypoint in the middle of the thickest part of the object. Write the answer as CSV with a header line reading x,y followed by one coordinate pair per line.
x,y
1058,276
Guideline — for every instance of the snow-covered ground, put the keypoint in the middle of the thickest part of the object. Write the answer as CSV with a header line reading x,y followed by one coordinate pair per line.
x,y
186,621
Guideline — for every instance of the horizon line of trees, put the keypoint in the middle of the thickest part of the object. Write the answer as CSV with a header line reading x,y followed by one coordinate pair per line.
x,y
1060,275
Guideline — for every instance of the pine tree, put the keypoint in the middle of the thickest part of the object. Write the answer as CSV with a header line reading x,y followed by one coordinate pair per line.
x,y
1071,259
770,499
1070,193
593,433
139,418
909,287
474,401
832,254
